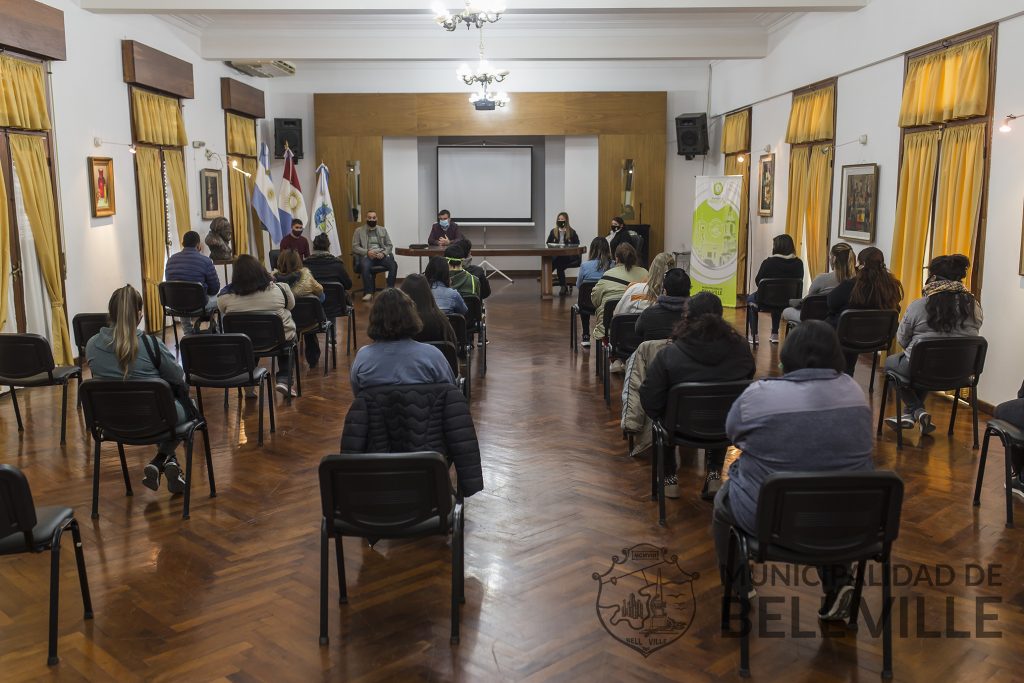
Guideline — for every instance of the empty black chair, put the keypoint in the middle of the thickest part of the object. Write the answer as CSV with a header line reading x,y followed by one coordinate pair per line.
x,y
336,306
266,331
814,307
867,332
939,365
24,528
310,318
138,412
184,300
85,326
773,294
582,306
27,361
1013,441
476,324
464,344
451,355
620,344
225,361
272,256
820,519
607,314
695,417
388,495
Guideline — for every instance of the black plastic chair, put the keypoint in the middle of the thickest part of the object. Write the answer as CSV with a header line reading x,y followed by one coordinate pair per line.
x,y
814,307
583,305
620,344
773,295
24,528
819,518
476,324
464,344
949,363
273,255
225,361
388,495
451,355
266,331
184,300
1013,441
139,412
85,326
26,360
606,318
374,271
336,306
310,318
694,417
867,332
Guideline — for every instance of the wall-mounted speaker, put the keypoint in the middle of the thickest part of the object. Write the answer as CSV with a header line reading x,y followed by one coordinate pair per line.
x,y
692,135
290,131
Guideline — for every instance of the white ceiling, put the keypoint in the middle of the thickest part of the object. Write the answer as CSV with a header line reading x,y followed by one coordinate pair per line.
x,y
363,30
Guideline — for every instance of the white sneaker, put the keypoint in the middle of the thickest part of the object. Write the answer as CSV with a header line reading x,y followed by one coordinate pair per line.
x,y
367,297
774,339
617,366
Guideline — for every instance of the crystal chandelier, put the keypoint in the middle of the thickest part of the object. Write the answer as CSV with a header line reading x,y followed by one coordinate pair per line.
x,y
475,14
485,75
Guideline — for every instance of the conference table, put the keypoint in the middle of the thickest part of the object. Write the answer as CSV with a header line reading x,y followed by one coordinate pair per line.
x,y
546,255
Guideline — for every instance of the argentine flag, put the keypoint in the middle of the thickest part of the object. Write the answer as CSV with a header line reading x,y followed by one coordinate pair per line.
x,y
264,197
290,204
323,208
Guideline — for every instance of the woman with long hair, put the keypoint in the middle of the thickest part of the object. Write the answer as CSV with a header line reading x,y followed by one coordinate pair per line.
x,y
292,272
842,268
783,263
947,309
436,327
613,284
599,260
439,277
704,348
640,295
563,235
122,351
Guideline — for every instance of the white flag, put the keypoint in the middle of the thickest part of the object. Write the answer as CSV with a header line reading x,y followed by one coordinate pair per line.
x,y
323,208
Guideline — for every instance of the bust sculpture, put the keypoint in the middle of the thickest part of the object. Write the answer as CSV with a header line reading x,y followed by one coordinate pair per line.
x,y
219,239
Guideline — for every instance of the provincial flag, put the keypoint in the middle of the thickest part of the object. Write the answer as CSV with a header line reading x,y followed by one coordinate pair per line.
x,y
290,204
264,197
323,208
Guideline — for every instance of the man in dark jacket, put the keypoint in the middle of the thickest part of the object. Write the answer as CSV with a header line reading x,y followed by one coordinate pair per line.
x,y
325,266
1013,412
192,265
445,231
658,321
477,271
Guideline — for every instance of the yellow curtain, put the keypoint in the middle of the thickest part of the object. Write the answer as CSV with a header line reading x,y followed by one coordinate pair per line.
x,y
158,119
913,210
241,212
249,166
5,251
812,116
23,95
175,163
958,197
736,133
241,134
154,232
818,202
796,206
947,85
734,167
29,155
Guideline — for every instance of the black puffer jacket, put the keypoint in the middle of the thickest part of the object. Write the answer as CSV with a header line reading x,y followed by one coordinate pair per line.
x,y
405,418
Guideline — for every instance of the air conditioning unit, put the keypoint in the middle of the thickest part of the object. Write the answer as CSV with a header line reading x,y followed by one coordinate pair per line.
x,y
263,68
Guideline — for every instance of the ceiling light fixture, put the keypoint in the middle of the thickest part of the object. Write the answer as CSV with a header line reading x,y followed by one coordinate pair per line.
x,y
1006,127
486,100
485,75
475,14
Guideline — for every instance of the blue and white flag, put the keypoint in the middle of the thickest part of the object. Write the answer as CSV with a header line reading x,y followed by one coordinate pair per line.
x,y
323,209
264,197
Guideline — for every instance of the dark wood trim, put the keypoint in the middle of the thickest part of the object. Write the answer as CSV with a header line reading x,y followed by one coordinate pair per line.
x,y
33,28
962,37
6,168
156,70
241,98
820,85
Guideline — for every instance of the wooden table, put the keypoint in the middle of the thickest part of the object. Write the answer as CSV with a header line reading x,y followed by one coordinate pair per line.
x,y
546,255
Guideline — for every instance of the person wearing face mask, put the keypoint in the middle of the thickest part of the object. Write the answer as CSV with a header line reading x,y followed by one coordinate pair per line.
x,y
445,231
373,249
295,240
563,235
619,233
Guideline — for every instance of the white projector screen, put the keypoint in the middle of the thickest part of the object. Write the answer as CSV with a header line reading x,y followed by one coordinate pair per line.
x,y
490,185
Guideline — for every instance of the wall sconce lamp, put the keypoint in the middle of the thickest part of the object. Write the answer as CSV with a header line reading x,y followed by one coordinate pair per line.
x,y
234,167
97,142
1006,127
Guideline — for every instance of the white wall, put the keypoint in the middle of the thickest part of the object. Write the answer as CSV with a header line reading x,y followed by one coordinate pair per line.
x,y
400,175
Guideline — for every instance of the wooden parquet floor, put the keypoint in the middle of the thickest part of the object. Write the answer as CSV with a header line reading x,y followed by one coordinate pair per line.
x,y
231,595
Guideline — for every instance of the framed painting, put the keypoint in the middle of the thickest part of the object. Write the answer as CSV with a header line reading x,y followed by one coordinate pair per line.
x,y
766,185
101,186
858,204
211,190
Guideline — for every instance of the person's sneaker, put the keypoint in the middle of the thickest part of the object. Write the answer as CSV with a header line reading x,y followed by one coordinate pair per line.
x,y
1016,486
836,606
175,480
617,366
282,389
672,486
924,420
151,477
712,482
752,339
586,341
367,297
774,338
907,422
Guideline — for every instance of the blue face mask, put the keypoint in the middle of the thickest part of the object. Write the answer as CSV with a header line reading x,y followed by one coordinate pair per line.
x,y
444,223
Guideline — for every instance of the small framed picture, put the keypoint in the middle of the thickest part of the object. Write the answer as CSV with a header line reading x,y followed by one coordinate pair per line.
x,y
101,186
766,185
859,203
211,191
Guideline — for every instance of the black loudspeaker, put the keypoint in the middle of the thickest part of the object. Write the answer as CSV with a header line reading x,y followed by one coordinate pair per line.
x,y
290,131
692,135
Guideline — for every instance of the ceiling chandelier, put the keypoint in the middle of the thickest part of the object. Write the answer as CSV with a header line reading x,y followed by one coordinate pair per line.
x,y
475,14
485,75
486,100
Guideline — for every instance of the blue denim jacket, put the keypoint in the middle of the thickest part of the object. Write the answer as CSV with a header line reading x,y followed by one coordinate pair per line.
x,y
448,300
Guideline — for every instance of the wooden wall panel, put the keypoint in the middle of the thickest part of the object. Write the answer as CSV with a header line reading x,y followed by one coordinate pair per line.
x,y
241,97
32,28
527,114
624,113
150,68
368,150
364,114
648,155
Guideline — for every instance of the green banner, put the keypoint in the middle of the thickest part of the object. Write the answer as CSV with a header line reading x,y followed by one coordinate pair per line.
x,y
715,246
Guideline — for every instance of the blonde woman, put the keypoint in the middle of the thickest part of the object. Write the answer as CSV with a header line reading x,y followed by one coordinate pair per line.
x,y
122,351
842,263
640,295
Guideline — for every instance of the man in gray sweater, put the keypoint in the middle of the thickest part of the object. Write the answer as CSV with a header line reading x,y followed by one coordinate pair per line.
x,y
374,253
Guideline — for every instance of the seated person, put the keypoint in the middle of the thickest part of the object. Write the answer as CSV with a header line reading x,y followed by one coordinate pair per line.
x,y
812,419
564,235
372,247
445,231
704,348
612,285
296,240
325,266
122,351
448,300
463,282
599,260
1013,412
658,321
467,257
192,265
640,295
619,233
947,309
292,272
841,260
395,357
436,327
783,263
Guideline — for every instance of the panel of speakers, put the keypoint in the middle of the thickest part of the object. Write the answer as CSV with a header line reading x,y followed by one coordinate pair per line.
x,y
692,135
